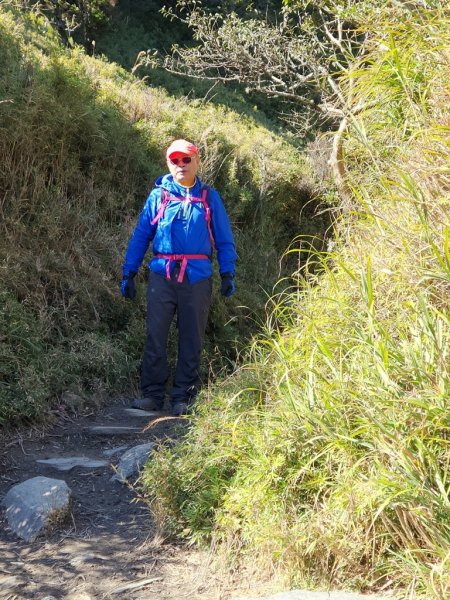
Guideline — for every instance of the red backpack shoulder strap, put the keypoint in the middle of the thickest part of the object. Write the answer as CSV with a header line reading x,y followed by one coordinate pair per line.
x,y
204,200
165,197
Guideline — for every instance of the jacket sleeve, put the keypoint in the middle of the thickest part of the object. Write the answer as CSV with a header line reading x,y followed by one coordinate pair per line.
x,y
143,234
223,236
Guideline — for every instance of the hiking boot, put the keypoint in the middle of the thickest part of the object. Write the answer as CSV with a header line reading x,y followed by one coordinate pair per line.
x,y
180,408
147,404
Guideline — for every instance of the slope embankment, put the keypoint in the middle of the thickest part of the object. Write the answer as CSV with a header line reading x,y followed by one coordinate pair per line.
x,y
81,144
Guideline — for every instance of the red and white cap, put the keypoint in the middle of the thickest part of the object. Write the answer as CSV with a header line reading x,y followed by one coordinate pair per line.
x,y
181,147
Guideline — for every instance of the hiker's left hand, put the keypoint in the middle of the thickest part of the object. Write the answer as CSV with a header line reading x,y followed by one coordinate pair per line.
x,y
228,286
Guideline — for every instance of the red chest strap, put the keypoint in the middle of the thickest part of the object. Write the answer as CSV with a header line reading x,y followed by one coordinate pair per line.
x,y
166,198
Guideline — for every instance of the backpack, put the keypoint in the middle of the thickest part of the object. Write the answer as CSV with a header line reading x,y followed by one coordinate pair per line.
x,y
183,258
166,198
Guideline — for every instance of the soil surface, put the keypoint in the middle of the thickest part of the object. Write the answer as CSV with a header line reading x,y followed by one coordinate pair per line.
x,y
110,546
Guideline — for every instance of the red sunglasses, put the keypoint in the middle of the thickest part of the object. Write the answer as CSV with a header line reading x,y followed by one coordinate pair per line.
x,y
184,159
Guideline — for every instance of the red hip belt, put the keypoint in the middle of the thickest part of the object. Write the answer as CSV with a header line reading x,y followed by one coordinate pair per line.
x,y
184,260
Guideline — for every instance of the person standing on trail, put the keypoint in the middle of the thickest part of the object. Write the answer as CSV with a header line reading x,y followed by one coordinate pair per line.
x,y
186,220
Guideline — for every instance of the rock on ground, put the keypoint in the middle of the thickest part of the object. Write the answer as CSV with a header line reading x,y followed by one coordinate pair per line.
x,y
34,505
132,461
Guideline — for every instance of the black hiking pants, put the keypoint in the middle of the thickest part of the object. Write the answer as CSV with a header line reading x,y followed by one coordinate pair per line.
x,y
190,302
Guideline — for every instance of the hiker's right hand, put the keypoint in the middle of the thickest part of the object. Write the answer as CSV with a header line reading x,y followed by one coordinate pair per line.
x,y
128,287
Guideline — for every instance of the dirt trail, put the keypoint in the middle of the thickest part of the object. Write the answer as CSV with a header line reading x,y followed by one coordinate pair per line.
x,y
109,548
110,542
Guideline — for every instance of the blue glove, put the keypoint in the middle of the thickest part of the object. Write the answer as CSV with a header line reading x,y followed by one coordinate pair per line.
x,y
128,287
228,287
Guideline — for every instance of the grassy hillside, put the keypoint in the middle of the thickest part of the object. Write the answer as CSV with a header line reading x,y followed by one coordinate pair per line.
x,y
81,142
325,458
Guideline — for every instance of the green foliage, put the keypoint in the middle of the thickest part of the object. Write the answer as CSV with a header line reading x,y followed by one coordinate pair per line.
x,y
325,457
81,141
73,19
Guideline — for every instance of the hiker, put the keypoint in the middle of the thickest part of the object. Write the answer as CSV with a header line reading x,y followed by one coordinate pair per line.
x,y
186,220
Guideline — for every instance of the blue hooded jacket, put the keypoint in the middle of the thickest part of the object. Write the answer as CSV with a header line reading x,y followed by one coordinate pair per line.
x,y
182,230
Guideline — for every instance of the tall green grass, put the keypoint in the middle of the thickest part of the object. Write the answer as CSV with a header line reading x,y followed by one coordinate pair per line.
x,y
325,459
81,142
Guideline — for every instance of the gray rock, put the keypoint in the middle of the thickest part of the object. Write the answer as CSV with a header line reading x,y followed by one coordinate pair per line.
x,y
132,461
69,462
35,505
115,450
305,595
112,430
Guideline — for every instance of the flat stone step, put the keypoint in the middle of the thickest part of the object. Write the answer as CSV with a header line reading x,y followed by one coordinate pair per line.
x,y
69,462
112,430
137,412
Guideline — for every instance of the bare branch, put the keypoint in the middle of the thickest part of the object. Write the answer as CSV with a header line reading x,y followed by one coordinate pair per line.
x,y
296,60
